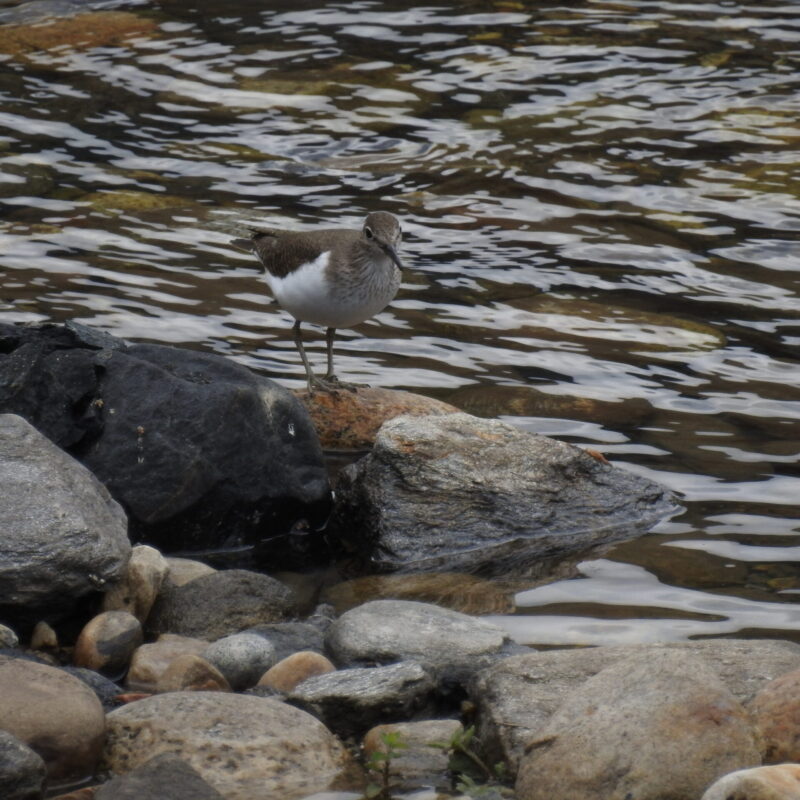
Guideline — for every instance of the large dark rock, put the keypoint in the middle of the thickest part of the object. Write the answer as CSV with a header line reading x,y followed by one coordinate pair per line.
x,y
62,537
200,452
458,492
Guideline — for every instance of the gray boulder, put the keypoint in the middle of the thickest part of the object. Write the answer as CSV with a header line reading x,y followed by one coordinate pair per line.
x,y
200,451
221,603
655,726
22,771
63,535
290,637
457,493
450,644
349,701
516,698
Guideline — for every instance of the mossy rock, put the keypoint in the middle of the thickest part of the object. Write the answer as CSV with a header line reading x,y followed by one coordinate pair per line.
x,y
81,32
129,201
32,180
549,317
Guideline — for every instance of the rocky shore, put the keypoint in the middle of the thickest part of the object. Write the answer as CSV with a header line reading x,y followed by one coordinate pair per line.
x,y
127,671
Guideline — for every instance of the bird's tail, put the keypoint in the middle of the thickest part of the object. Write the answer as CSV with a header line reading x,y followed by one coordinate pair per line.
x,y
243,244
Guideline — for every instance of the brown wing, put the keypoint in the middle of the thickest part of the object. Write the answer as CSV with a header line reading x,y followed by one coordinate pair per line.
x,y
282,252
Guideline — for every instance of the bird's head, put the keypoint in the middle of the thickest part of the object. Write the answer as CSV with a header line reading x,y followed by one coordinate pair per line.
x,y
382,231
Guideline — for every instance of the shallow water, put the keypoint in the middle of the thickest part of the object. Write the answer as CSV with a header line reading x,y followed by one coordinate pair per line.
x,y
601,207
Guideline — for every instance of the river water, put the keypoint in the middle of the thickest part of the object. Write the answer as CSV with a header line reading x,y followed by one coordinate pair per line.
x,y
601,211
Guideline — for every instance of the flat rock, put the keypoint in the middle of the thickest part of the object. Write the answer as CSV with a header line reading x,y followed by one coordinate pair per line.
x,y
776,710
349,420
59,544
687,728
781,782
294,669
456,492
242,658
150,660
164,777
349,701
221,603
55,714
139,586
22,771
242,746
107,642
419,763
384,631
200,451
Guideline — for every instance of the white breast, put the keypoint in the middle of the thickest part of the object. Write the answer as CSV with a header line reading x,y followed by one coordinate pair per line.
x,y
306,294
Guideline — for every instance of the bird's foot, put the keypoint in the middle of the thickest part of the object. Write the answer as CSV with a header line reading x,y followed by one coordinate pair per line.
x,y
330,383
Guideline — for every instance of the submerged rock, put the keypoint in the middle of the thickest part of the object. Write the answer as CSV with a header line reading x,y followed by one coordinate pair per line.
x,y
201,452
458,492
651,726
63,535
243,746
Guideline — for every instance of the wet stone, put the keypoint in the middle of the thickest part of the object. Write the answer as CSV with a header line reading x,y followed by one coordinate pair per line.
x,y
184,570
776,710
106,690
108,641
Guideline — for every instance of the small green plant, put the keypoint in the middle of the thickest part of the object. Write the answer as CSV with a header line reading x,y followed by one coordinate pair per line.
x,y
471,774
380,762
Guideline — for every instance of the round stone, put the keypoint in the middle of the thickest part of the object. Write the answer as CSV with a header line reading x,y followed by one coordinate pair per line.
x,y
243,746
242,658
108,641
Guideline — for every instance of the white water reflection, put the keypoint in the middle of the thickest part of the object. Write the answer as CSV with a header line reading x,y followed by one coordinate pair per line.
x,y
607,583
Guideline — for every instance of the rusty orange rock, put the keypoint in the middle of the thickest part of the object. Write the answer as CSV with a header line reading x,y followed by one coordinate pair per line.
x,y
349,420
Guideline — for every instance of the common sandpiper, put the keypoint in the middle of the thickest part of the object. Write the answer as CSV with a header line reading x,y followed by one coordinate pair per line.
x,y
334,277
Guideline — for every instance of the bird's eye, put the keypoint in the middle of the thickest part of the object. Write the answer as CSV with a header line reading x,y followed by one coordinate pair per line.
x,y
368,233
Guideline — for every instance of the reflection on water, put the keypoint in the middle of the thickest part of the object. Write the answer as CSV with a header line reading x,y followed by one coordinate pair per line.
x,y
602,207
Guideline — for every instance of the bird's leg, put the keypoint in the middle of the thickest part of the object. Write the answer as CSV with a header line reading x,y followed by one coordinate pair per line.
x,y
298,340
330,379
329,334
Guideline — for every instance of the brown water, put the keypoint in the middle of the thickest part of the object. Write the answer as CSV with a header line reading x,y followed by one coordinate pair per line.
x,y
601,210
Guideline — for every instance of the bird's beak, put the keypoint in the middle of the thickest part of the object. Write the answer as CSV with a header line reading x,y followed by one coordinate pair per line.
x,y
392,253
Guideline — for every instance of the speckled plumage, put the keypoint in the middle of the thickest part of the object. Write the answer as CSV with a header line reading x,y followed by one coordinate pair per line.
x,y
331,277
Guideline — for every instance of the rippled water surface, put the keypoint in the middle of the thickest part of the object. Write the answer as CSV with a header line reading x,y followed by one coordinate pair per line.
x,y
601,209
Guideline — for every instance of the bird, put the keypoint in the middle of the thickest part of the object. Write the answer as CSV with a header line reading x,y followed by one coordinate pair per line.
x,y
333,277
